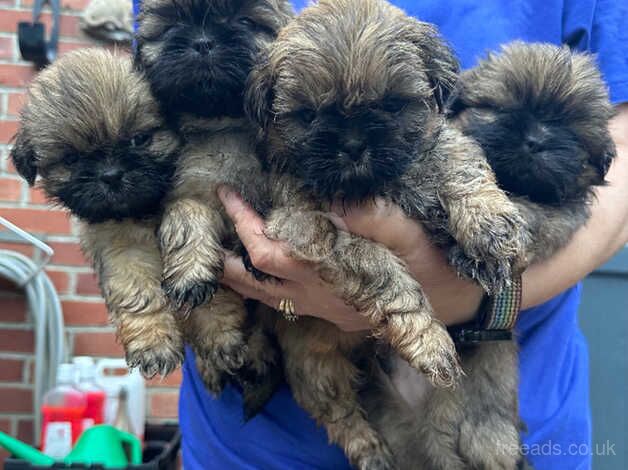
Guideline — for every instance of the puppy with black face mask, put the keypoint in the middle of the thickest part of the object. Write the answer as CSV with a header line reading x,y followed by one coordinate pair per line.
x,y
350,99
540,113
93,132
196,56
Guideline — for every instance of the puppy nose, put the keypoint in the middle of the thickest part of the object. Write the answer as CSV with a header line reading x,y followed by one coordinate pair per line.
x,y
354,147
111,175
203,45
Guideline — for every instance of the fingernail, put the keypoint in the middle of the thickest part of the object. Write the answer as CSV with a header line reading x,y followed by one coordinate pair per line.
x,y
225,193
338,221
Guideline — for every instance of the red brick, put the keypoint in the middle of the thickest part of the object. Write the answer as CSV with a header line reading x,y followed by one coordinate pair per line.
x,y
26,431
77,5
16,101
11,370
97,344
68,254
87,284
7,130
68,46
164,404
14,75
5,424
60,279
68,25
39,220
12,310
16,400
16,341
6,48
26,250
84,313
10,190
37,196
3,456
172,380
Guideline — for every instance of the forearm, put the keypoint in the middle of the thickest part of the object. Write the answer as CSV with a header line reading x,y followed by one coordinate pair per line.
x,y
603,235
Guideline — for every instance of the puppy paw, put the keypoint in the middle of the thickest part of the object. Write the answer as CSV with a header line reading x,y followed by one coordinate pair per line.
x,y
311,236
213,379
494,256
189,293
160,359
434,354
377,462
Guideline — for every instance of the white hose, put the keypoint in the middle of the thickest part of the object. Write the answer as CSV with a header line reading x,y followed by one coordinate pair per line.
x,y
45,309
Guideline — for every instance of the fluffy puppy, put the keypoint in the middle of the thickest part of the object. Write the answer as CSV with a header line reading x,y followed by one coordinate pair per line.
x,y
93,132
541,114
350,100
196,56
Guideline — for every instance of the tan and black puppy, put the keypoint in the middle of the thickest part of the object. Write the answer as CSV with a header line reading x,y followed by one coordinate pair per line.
x,y
541,114
351,100
93,132
196,56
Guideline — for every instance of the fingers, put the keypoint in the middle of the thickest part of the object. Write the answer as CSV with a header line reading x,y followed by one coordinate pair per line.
x,y
240,280
384,223
266,255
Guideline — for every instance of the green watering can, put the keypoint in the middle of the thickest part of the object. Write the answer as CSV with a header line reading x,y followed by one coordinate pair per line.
x,y
102,444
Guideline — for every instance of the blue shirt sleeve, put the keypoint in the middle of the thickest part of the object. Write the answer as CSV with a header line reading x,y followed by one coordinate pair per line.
x,y
601,27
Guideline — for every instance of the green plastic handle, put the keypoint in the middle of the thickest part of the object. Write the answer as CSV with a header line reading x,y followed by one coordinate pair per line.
x,y
135,446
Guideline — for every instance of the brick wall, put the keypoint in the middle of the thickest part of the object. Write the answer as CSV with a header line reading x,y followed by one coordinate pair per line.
x,y
85,316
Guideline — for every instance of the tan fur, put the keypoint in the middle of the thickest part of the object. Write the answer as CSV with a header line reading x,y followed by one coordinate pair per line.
x,y
344,55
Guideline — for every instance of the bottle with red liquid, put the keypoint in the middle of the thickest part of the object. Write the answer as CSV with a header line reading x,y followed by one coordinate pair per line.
x,y
62,414
94,394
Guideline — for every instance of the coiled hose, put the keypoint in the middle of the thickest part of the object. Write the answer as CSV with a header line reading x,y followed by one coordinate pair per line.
x,y
45,309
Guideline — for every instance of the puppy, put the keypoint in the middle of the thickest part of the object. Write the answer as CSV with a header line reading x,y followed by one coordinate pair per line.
x,y
350,99
197,55
541,114
93,132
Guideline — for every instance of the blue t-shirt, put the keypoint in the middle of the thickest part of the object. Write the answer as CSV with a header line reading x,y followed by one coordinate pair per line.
x,y
554,398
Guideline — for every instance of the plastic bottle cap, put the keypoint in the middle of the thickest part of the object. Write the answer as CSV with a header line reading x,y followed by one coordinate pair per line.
x,y
66,374
85,366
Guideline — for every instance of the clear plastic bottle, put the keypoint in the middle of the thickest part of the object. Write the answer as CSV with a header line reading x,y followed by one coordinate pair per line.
x,y
62,414
94,394
122,421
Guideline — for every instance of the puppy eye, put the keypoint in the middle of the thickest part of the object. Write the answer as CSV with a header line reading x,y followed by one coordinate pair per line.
x,y
394,105
70,158
140,140
248,22
307,116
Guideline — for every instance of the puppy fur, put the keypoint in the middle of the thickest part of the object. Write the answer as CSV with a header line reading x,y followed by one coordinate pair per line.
x,y
196,56
93,132
350,99
541,114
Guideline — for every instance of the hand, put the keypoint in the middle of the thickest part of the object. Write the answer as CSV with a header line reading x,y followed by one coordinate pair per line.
x,y
299,281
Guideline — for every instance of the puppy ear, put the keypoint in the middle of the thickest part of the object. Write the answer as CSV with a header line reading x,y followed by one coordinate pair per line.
x,y
602,162
24,157
456,102
259,96
442,67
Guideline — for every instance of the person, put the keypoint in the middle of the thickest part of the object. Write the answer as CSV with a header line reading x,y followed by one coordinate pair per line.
x,y
554,402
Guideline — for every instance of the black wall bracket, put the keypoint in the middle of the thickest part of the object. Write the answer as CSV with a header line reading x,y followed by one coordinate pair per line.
x,y
32,36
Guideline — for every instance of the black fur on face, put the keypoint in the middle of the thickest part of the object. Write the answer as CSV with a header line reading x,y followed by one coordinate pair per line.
x,y
197,54
93,132
353,154
111,183
532,156
541,114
